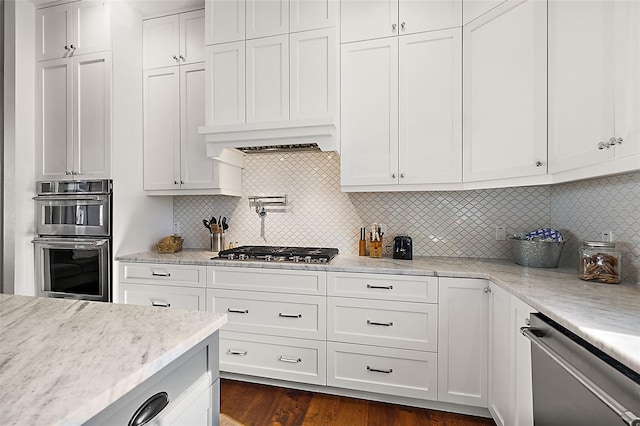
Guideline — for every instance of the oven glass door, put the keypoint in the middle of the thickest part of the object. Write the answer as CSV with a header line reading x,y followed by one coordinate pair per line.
x,y
74,268
83,215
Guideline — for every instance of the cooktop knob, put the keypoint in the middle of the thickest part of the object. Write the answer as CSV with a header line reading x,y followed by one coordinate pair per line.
x,y
242,256
307,259
267,258
230,256
295,258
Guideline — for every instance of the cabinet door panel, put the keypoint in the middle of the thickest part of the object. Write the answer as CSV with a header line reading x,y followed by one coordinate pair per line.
x,y
91,27
197,170
92,115
418,15
53,30
162,296
369,112
520,354
500,376
581,78
55,114
161,128
313,74
505,92
266,18
192,36
430,106
268,79
161,41
225,21
472,9
312,14
368,19
225,85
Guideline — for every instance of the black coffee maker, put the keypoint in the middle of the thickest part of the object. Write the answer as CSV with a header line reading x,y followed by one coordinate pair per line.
x,y
402,247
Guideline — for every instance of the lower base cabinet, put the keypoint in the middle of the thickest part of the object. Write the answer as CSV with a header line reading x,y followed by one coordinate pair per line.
x,y
163,296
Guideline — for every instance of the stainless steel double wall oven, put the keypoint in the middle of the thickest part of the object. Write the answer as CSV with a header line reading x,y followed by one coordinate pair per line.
x,y
73,246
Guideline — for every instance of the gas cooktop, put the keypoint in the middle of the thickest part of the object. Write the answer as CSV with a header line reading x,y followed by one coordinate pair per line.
x,y
279,254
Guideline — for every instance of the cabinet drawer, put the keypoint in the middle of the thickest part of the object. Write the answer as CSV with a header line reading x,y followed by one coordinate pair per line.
x,y
379,323
269,313
407,288
383,370
297,360
271,280
164,296
157,273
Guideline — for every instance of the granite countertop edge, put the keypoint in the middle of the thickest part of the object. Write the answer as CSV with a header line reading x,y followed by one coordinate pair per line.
x,y
605,315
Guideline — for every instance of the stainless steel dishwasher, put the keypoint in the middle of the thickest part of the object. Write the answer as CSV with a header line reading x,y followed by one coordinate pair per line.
x,y
574,383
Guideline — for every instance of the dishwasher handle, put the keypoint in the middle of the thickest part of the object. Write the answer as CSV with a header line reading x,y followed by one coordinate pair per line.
x,y
626,415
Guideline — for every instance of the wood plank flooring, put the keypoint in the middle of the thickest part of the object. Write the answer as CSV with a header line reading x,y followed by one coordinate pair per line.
x,y
260,405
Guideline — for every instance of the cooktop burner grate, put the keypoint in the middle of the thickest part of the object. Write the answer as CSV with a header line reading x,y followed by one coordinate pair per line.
x,y
279,254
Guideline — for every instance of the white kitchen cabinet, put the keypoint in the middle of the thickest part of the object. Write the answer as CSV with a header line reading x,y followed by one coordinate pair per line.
x,y
264,18
267,79
504,105
163,296
401,110
74,117
369,19
174,151
520,363
594,83
472,9
224,21
225,83
173,40
462,341
307,15
73,29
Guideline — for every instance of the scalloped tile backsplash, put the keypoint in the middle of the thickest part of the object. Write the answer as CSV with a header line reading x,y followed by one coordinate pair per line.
x,y
448,223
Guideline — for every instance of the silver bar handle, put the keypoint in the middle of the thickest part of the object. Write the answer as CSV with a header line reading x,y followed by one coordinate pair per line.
x,y
160,304
378,370
281,315
161,274
289,359
385,324
237,311
627,416
72,242
237,352
70,198
380,287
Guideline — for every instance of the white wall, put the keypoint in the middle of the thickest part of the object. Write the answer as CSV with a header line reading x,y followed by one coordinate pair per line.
x,y
139,221
19,152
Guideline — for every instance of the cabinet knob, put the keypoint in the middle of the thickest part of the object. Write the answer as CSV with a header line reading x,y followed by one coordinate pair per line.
x,y
182,57
175,57
394,175
538,163
402,175
73,47
619,141
66,47
393,28
181,183
402,26
67,173
487,289
603,145
175,182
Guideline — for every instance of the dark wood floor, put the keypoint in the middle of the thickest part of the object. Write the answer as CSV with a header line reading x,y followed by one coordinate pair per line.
x,y
260,405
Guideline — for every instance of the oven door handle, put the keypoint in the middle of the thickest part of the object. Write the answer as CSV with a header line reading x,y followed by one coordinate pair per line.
x,y
70,197
71,241
626,415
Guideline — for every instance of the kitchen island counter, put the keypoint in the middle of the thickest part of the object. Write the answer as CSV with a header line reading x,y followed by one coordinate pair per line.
x,y
64,361
606,315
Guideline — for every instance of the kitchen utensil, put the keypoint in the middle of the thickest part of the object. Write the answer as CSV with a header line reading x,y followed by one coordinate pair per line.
x,y
206,224
224,224
402,247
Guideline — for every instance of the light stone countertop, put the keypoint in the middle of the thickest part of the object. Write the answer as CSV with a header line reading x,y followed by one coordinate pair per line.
x,y
63,361
605,315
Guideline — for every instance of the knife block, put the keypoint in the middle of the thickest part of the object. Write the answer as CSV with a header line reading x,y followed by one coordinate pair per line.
x,y
375,249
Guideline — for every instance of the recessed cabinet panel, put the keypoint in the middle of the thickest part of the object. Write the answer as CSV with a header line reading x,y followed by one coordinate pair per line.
x,y
472,9
430,144
161,41
313,74
161,128
192,37
312,14
380,19
225,83
369,112
419,15
92,115
54,26
268,79
266,18
505,73
225,21
55,115
92,27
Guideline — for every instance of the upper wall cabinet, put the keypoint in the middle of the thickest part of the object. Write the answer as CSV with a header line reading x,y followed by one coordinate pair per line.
x,y
305,15
369,19
72,29
173,40
505,71
594,85
225,21
266,18
472,9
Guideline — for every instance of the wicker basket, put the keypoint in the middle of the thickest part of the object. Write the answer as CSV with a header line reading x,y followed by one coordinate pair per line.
x,y
170,244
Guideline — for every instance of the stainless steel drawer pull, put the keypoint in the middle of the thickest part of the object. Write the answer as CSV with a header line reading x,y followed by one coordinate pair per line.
x,y
160,304
386,324
237,352
377,370
380,287
160,274
237,311
149,409
627,416
281,315
289,359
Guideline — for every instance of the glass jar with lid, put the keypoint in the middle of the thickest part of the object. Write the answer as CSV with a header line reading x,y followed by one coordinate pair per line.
x,y
599,261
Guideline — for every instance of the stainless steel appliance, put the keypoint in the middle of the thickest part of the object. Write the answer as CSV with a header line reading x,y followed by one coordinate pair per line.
x,y
402,247
279,254
73,246
575,383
